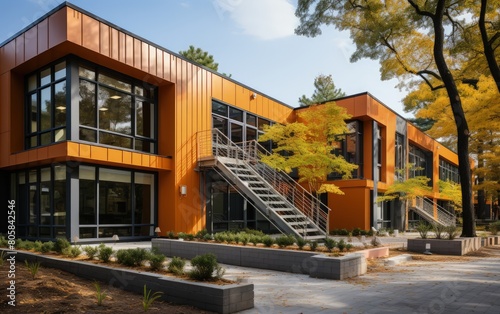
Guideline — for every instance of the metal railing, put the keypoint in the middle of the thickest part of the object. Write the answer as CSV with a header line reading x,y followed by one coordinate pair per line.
x,y
443,216
249,153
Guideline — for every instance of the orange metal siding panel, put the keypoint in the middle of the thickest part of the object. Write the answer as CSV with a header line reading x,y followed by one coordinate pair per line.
x,y
57,150
128,48
31,43
229,91
74,26
127,158
5,114
152,60
144,57
105,39
115,155
57,32
21,158
84,151
159,63
43,36
243,98
216,86
73,149
145,160
98,153
8,56
137,53
90,33
19,49
136,159
153,161
32,155
42,153
123,48
114,39
166,65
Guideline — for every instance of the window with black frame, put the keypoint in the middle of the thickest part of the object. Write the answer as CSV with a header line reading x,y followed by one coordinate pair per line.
x,y
421,161
46,106
116,111
349,146
448,171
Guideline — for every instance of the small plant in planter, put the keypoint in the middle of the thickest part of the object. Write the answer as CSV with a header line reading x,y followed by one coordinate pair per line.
x,y
155,260
47,247
171,235
176,266
439,231
285,240
300,242
313,245
91,251
60,245
452,231
341,245
105,253
267,240
423,229
204,267
494,227
72,251
330,244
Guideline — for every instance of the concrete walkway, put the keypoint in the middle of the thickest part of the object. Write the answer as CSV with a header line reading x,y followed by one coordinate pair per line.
x,y
468,286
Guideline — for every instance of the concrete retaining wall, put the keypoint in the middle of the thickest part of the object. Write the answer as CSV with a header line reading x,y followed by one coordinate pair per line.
x,y
459,246
216,298
267,258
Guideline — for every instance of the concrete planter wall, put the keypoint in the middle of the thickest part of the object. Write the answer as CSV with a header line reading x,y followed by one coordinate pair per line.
x,y
490,240
290,261
459,246
230,298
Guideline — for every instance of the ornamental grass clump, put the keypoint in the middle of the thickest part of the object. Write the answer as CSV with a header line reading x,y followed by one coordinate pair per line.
x,y
423,229
176,266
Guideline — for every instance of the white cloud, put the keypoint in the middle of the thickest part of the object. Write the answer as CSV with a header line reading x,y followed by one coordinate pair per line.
x,y
264,19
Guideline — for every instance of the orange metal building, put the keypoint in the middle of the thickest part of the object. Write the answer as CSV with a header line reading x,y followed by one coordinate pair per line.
x,y
100,132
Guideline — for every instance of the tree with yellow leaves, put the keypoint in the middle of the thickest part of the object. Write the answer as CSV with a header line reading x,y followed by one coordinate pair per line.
x,y
308,145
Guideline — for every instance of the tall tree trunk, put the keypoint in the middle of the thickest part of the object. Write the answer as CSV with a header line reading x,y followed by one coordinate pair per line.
x,y
487,46
469,226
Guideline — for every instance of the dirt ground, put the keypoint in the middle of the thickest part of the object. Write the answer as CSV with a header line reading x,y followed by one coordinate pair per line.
x,y
55,291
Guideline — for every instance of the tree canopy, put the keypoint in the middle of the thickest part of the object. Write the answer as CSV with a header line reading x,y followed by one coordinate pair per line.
x,y
324,90
434,42
308,145
200,56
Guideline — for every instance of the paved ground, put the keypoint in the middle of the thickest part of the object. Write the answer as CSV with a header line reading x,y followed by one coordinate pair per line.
x,y
471,286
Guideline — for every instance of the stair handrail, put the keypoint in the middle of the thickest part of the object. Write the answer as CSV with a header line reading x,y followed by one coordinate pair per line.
x,y
443,216
249,153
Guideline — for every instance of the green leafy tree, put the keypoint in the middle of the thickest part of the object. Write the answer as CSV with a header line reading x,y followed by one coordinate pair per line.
x,y
200,56
407,188
308,145
325,90
417,41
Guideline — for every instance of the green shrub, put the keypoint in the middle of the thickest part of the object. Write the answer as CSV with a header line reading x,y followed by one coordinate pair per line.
x,y
181,235
356,232
494,227
452,232
91,251
285,240
300,242
156,260
171,235
204,267
105,253
439,231
423,229
131,257
313,245
341,245
219,237
267,240
72,251
330,243
207,237
37,246
61,244
176,265
3,242
348,247
201,234
47,247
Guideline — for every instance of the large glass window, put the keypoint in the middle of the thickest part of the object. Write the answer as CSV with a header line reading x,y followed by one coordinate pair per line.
x,y
46,106
115,202
41,197
116,111
399,156
448,171
421,161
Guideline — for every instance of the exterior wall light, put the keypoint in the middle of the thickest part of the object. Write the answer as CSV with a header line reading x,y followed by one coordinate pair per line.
x,y
183,190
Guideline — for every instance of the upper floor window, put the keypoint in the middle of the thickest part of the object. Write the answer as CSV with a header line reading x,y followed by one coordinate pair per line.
x,y
46,106
421,161
350,146
448,172
399,158
116,111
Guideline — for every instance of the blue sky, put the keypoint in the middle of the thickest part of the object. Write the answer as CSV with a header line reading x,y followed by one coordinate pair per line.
x,y
253,40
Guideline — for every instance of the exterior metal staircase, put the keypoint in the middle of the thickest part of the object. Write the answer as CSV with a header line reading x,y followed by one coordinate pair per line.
x,y
277,196
425,208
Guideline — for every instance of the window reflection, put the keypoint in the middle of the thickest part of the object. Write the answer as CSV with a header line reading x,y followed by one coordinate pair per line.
x,y
87,104
114,111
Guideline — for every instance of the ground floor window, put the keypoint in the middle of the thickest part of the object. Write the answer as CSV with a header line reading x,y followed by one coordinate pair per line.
x,y
99,202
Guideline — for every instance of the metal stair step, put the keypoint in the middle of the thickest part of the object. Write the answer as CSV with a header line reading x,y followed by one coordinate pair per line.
x,y
315,237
